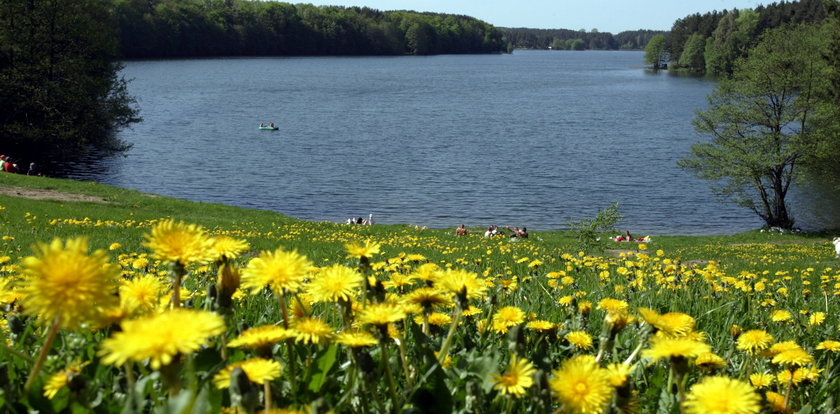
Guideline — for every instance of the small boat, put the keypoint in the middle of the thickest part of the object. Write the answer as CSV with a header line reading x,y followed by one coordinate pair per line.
x,y
269,128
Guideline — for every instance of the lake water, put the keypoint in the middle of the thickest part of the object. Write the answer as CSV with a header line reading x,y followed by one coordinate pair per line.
x,y
534,138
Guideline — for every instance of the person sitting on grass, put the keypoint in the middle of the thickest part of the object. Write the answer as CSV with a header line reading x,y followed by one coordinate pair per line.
x,y
461,231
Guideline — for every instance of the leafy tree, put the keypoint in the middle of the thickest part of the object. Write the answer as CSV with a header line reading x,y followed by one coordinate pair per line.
x,y
733,37
824,165
655,51
761,124
61,95
590,232
692,55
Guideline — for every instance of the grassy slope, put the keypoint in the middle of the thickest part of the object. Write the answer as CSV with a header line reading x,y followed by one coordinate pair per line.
x,y
125,215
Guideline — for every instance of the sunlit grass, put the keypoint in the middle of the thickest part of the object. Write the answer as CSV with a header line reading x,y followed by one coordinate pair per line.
x,y
466,323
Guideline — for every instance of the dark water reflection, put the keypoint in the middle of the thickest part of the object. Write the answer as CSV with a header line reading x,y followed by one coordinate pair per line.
x,y
530,139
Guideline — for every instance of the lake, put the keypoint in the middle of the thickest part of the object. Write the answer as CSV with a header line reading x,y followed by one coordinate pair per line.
x,y
533,138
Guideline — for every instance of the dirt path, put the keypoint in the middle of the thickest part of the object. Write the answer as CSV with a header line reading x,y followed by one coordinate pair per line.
x,y
44,194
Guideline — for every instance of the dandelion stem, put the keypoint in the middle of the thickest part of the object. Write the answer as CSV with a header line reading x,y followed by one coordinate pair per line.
x,y
787,392
392,389
267,392
290,345
635,352
444,350
39,363
178,273
408,379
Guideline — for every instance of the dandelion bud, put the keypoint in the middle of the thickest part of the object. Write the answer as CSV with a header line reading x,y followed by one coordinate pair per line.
x,y
735,331
227,283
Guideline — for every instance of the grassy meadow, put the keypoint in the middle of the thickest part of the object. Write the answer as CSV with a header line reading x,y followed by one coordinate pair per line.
x,y
119,301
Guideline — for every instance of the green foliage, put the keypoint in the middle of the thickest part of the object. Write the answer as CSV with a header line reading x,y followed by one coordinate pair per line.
x,y
655,52
692,56
760,122
734,32
565,39
733,37
590,232
189,28
60,91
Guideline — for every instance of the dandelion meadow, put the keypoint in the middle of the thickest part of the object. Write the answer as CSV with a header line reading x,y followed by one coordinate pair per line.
x,y
118,301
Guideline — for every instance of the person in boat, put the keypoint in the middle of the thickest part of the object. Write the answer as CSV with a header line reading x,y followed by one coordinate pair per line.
x,y
271,124
262,124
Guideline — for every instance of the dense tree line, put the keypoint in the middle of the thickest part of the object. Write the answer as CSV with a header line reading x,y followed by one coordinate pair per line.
x,y
60,91
714,41
565,39
192,28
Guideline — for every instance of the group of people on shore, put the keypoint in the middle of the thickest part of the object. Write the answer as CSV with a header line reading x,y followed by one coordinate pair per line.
x,y
361,221
627,237
493,231
10,165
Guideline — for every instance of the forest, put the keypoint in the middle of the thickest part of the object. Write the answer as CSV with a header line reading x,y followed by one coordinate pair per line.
x,y
566,39
712,42
196,28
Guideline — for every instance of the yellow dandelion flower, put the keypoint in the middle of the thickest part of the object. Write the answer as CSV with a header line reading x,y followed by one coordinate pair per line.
x,y
261,336
754,341
761,380
381,314
710,361
471,311
807,374
722,395
438,319
399,281
281,270
258,370
141,294
618,373
775,401
579,339
312,330
60,379
427,272
367,249
506,318
225,247
780,316
179,242
581,385
795,357
335,283
832,346
516,379
584,306
356,339
567,300
140,263
159,338
540,325
783,346
115,246
62,281
613,305
459,280
428,298
665,347
817,318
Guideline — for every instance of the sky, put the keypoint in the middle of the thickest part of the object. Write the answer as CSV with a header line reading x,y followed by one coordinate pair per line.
x,y
612,16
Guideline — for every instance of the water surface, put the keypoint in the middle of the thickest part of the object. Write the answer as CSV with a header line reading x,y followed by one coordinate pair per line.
x,y
534,139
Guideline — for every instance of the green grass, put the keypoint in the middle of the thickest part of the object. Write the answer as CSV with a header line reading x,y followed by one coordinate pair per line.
x,y
739,279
